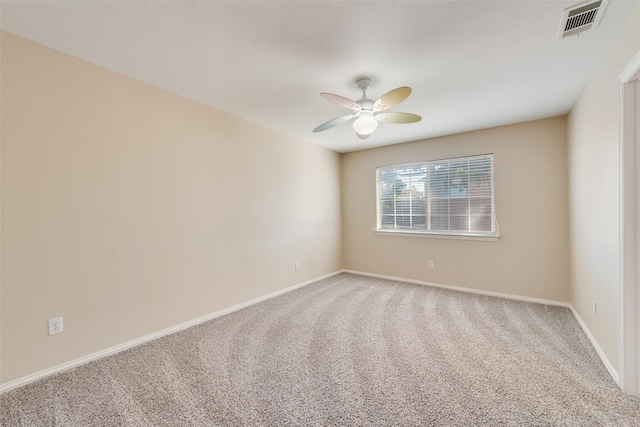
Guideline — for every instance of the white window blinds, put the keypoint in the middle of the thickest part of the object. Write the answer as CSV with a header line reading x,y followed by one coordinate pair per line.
x,y
453,196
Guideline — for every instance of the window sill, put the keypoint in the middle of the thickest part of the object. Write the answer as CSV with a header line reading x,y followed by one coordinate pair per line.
x,y
431,235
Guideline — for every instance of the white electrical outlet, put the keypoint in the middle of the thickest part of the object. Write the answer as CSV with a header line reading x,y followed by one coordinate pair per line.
x,y
431,264
297,265
595,308
55,326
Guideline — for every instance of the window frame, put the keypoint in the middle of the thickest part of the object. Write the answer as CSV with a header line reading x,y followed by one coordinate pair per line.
x,y
492,235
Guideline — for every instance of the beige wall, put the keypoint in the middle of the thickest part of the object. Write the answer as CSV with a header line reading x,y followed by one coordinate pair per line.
x,y
594,174
127,209
124,212
530,259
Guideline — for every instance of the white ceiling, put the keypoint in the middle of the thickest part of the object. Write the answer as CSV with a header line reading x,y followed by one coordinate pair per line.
x,y
471,64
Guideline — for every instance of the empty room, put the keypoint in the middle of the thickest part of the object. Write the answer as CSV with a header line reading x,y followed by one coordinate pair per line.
x,y
320,213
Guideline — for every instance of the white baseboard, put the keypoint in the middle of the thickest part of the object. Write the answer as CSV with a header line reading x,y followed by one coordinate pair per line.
x,y
136,342
133,343
614,374
596,346
463,289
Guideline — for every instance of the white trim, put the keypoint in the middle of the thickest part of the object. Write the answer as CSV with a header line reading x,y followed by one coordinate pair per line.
x,y
117,349
138,341
596,346
629,336
632,70
435,235
463,289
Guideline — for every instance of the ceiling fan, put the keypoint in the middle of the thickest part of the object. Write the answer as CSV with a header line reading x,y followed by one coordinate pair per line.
x,y
368,111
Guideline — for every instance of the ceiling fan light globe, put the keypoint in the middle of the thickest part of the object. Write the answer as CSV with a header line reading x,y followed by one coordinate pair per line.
x,y
366,124
361,136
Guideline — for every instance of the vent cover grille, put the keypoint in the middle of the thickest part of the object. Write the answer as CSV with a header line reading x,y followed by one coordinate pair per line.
x,y
581,17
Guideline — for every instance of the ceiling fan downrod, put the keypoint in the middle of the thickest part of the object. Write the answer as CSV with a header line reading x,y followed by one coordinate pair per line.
x,y
364,83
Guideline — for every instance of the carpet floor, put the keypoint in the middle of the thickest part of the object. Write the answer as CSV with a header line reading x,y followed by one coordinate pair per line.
x,y
346,351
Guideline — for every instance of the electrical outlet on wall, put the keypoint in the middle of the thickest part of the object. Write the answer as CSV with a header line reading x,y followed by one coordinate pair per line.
x,y
594,305
297,265
55,326
432,264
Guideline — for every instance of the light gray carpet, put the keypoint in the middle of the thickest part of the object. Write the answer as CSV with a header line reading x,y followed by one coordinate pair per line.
x,y
346,351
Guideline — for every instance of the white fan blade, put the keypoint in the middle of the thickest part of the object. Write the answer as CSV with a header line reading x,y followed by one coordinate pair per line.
x,y
397,117
392,98
341,101
334,122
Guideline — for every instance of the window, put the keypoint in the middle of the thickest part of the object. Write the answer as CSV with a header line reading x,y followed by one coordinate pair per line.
x,y
446,197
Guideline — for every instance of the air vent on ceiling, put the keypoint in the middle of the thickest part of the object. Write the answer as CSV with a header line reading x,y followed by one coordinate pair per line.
x,y
581,17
